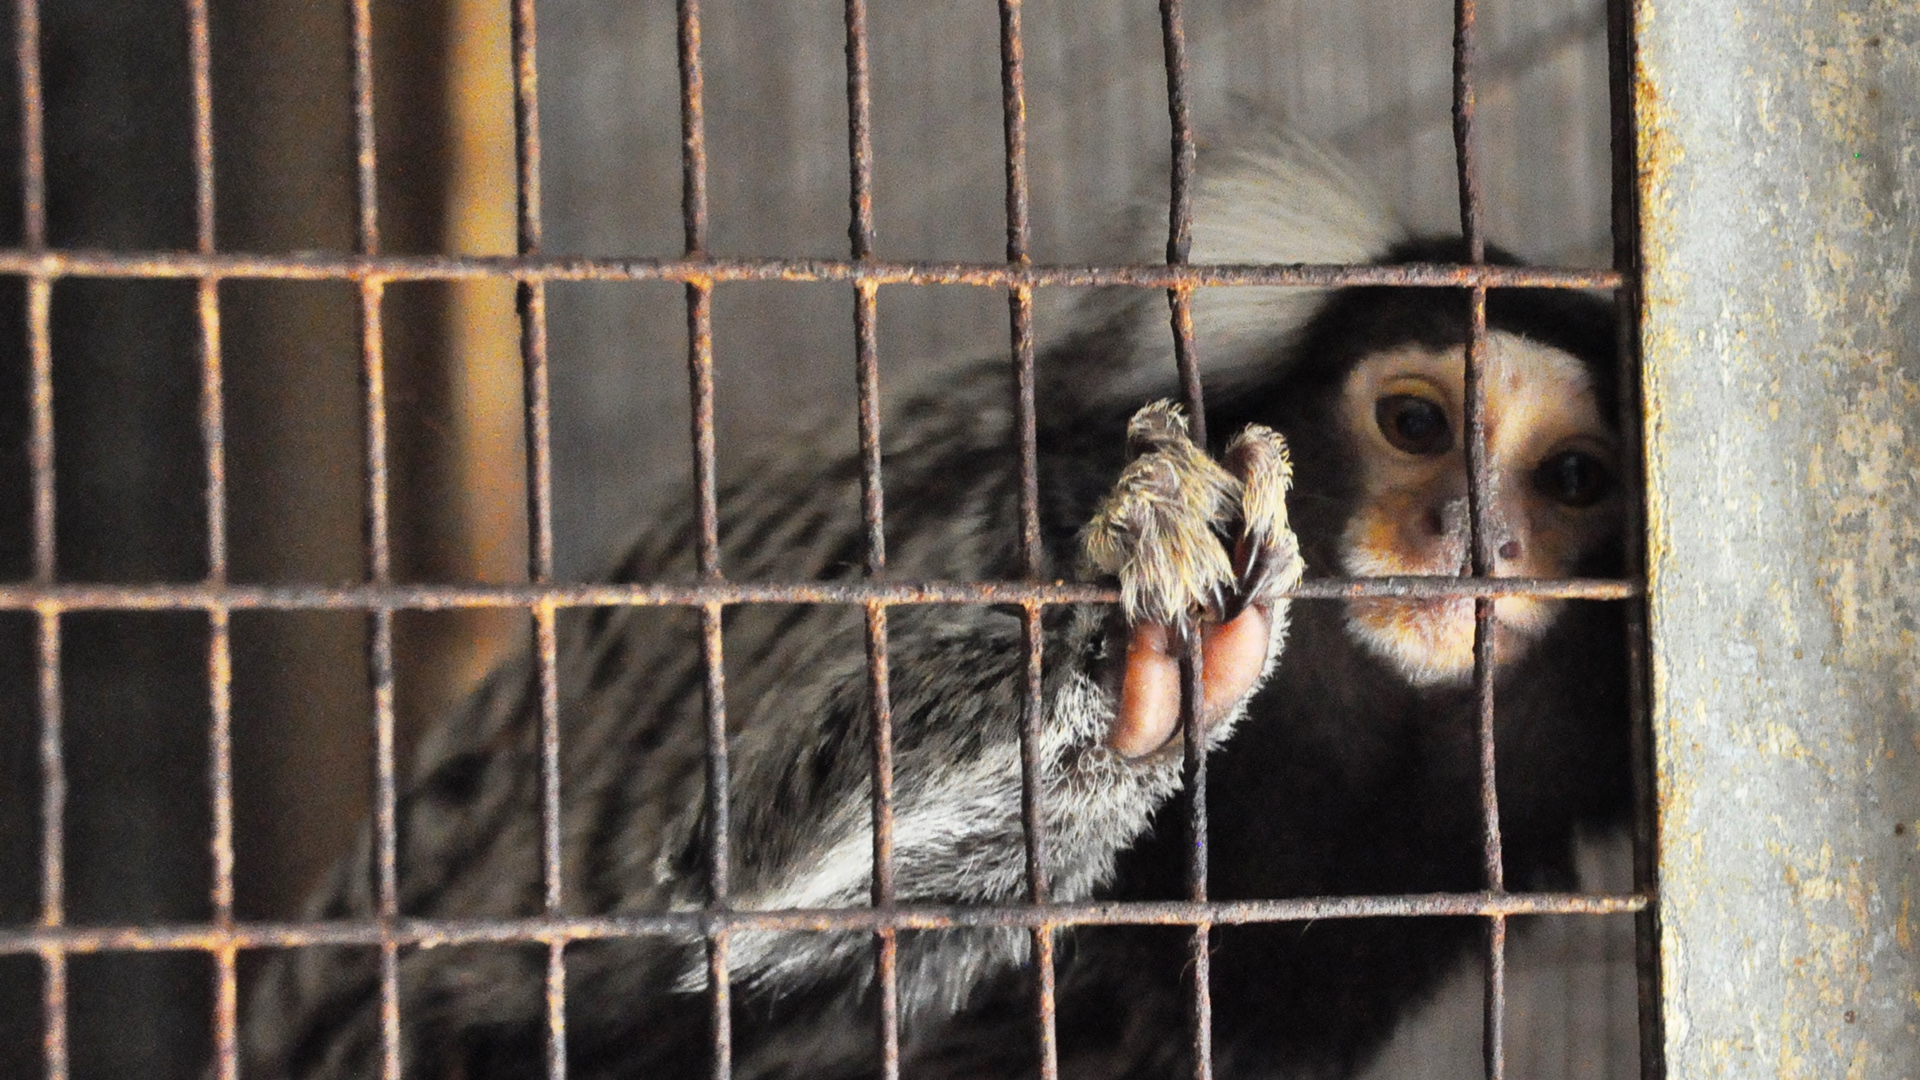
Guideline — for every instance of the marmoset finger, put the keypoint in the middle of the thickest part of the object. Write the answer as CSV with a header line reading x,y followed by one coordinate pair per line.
x,y
1233,654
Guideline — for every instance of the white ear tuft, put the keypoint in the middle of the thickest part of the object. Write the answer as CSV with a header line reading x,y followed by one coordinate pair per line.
x,y
1277,197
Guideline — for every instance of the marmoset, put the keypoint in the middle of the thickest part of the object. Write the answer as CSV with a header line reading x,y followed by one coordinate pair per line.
x,y
1343,732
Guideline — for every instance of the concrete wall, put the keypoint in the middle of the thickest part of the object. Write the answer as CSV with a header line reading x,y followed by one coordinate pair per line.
x,y
1780,168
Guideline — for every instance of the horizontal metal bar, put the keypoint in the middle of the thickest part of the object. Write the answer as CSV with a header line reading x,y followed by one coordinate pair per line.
x,y
434,932
322,266
27,596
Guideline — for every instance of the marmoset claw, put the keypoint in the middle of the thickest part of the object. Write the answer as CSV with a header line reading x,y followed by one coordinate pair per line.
x,y
1164,532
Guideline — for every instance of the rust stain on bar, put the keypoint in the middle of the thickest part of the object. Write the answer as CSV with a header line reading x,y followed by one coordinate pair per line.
x,y
699,301
436,932
53,772
866,315
886,962
1180,313
706,482
533,267
32,596
53,808
1013,102
377,537
1479,487
719,832
33,114
1493,1033
226,1048
532,304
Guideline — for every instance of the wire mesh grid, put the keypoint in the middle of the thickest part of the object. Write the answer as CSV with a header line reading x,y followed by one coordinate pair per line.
x,y
54,941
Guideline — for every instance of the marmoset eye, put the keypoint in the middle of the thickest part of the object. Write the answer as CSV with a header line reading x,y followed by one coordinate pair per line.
x,y
1573,478
1414,424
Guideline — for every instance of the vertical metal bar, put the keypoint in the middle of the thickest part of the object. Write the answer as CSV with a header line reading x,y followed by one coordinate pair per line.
x,y
693,172
1013,96
1494,1016
1464,39
53,806
1180,305
532,304
1034,706
866,297
1626,259
886,957
693,181
219,620
377,536
1481,543
53,770
719,976
1180,211
860,233
1020,317
33,145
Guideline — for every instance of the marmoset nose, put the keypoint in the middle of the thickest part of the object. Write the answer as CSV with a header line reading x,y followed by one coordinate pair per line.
x,y
1448,518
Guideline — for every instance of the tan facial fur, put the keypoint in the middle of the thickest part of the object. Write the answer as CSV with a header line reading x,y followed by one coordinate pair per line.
x,y
1412,516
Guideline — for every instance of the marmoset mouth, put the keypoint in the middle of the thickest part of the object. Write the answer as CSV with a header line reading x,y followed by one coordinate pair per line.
x,y
1432,640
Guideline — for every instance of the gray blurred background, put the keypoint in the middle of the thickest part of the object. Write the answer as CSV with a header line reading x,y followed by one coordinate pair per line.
x,y
1372,79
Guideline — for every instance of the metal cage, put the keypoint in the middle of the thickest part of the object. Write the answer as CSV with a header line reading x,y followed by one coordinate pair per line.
x,y
42,268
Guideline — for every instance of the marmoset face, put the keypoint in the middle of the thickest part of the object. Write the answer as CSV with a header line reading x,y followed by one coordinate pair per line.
x,y
1554,499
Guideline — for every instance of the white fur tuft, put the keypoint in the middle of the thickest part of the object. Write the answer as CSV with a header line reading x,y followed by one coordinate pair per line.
x,y
1287,200
1282,199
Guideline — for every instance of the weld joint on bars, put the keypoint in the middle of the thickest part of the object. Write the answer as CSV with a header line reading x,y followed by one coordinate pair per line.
x,y
58,598
174,937
22,262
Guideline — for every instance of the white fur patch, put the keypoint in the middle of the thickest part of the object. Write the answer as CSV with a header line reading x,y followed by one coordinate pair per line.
x,y
1283,200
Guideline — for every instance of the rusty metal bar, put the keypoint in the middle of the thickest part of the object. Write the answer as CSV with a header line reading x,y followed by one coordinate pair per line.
x,y
866,315
200,65
886,946
40,447
1013,98
1192,662
1464,39
693,208
532,305
719,831
699,300
226,995
1479,485
1626,260
705,455
1020,317
440,932
1493,1020
53,806
531,267
1481,554
33,143
366,160
34,596
378,540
